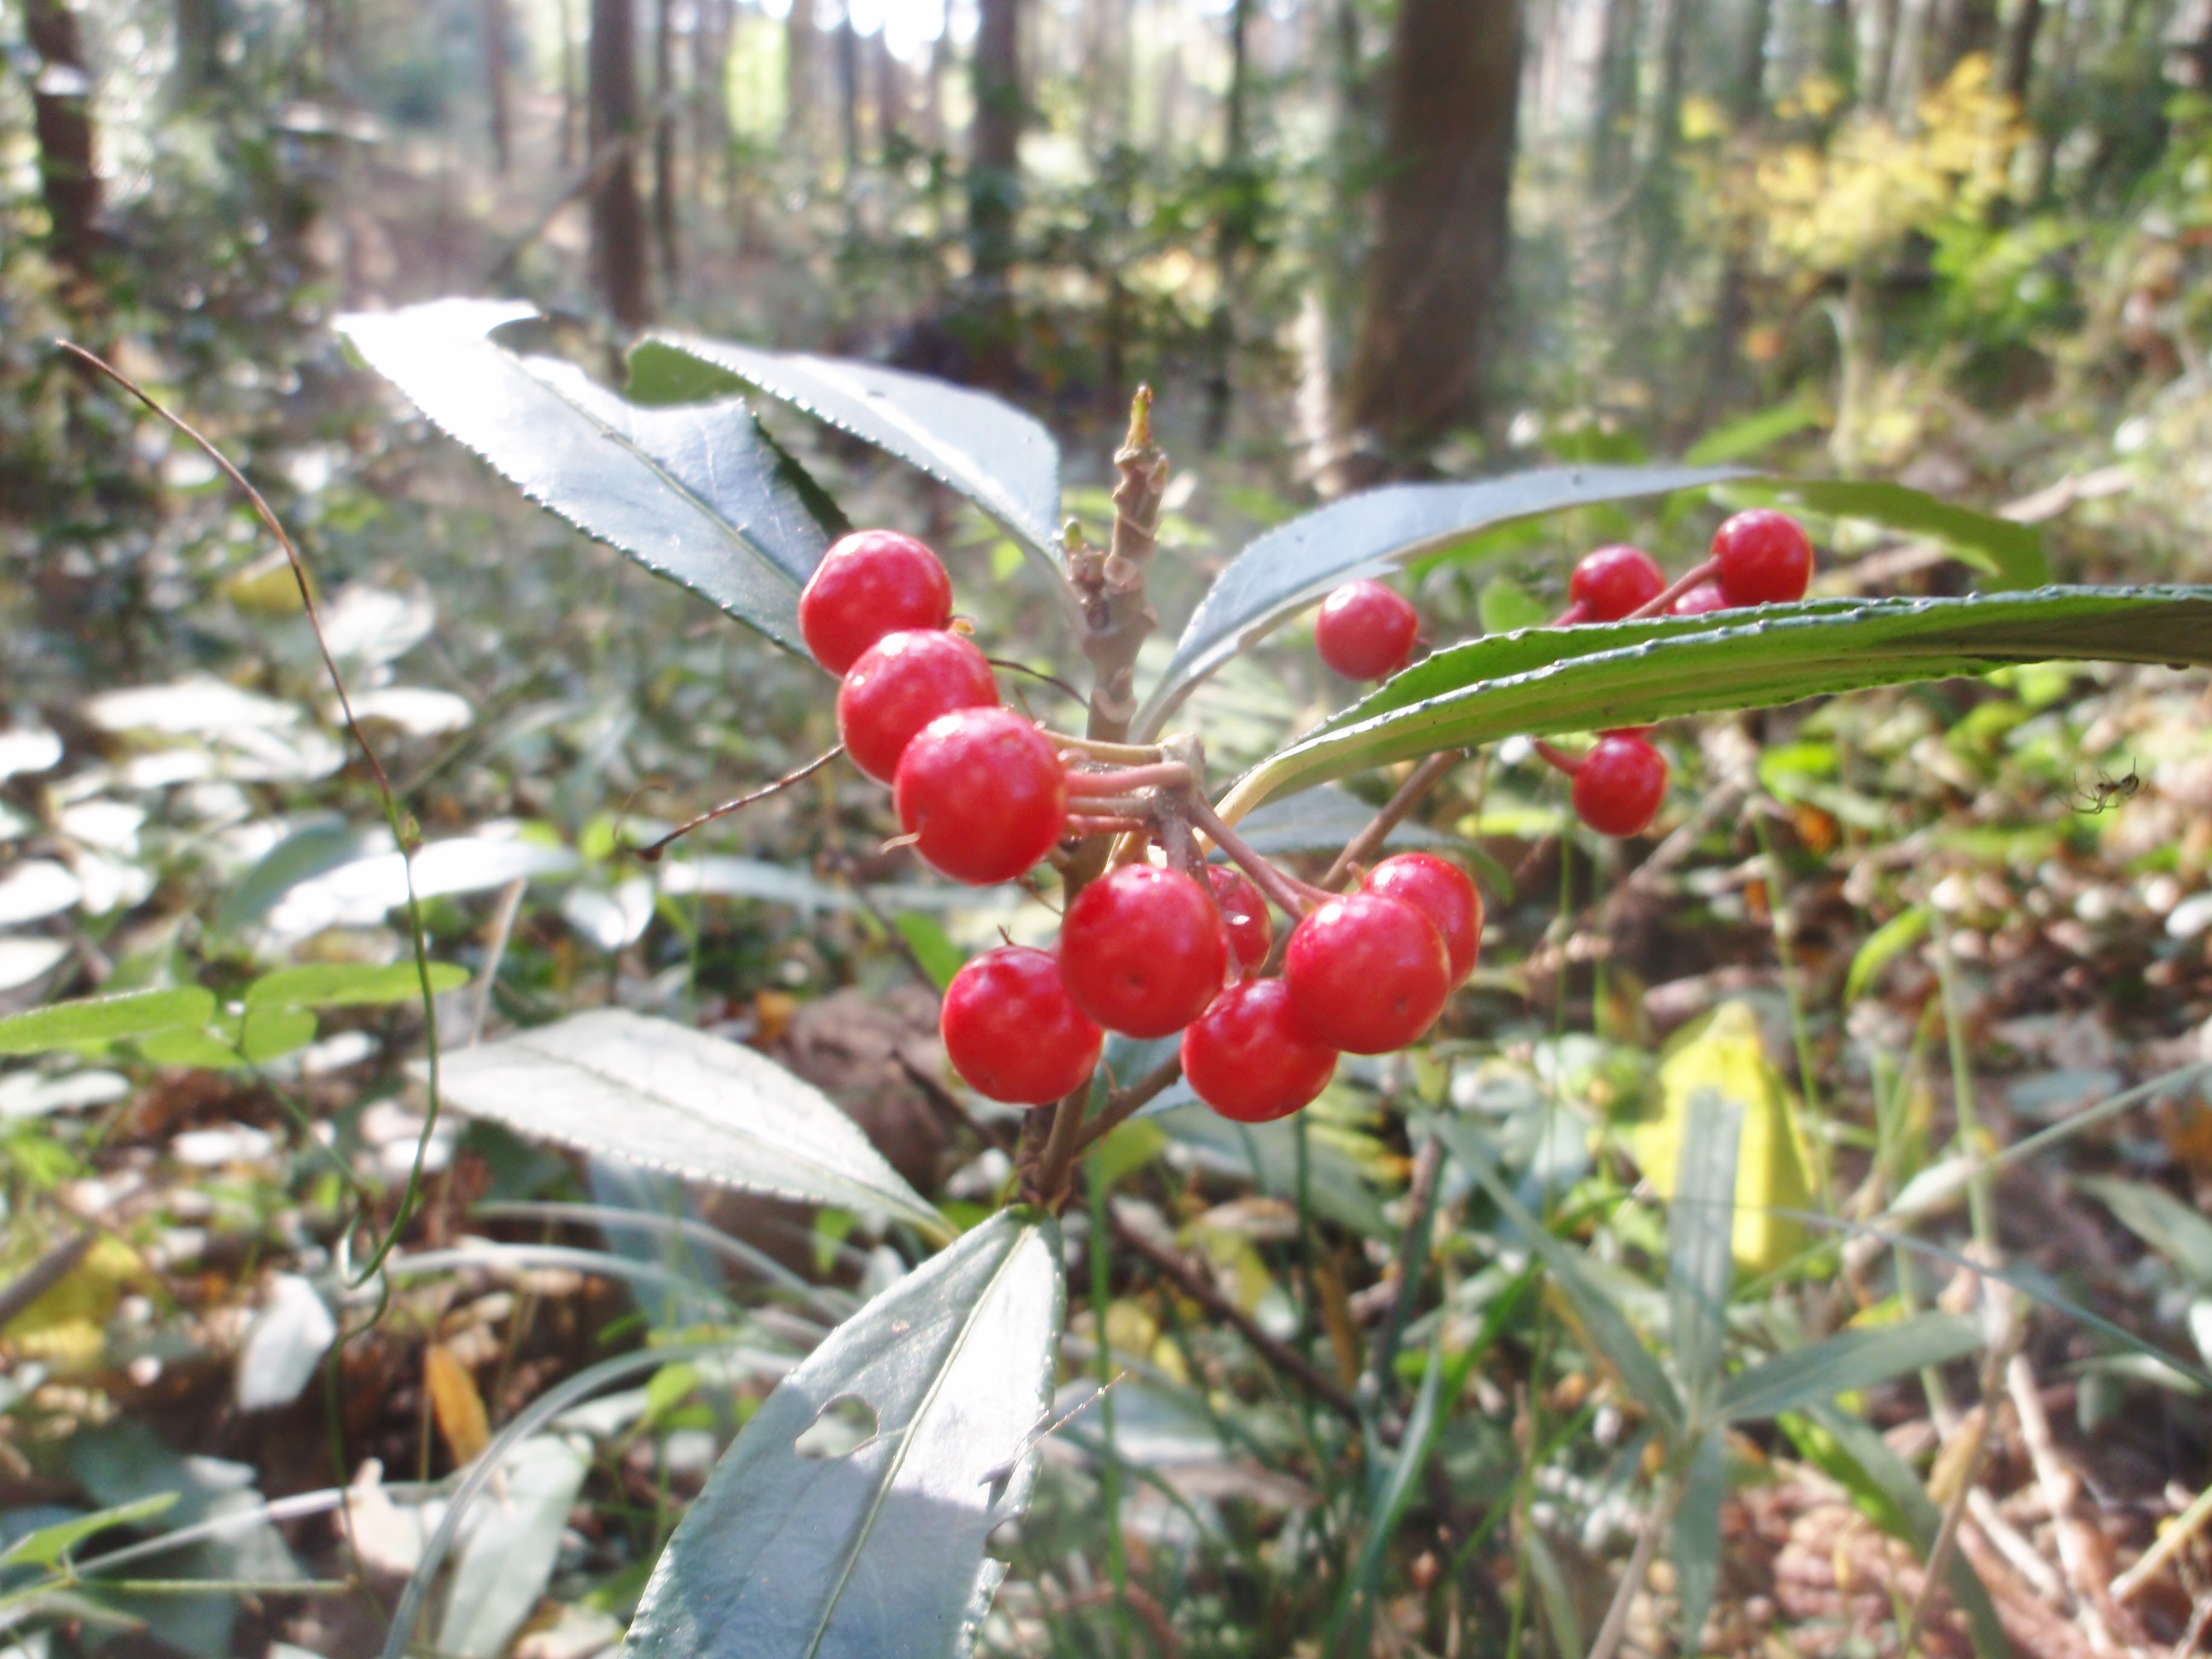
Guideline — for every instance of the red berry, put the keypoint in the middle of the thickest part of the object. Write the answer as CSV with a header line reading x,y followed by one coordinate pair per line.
x,y
1143,949
1365,631
1244,913
869,584
901,684
1764,556
984,792
1247,1058
1442,892
1619,786
1012,1030
1705,598
1612,581
1366,974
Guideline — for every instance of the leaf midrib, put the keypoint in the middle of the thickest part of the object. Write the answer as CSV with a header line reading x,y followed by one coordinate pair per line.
x,y
906,1441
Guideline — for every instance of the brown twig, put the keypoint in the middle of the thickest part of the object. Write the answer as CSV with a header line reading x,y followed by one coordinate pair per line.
x,y
652,851
1287,895
1115,606
1125,1103
42,1276
1364,845
1195,1284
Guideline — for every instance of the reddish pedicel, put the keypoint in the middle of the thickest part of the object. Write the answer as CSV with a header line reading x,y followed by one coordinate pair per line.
x,y
1244,912
1704,599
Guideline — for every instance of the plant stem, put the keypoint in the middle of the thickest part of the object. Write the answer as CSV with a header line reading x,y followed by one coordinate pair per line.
x,y
1125,1103
1122,779
1114,602
1657,604
1558,758
1268,879
1657,1520
1364,845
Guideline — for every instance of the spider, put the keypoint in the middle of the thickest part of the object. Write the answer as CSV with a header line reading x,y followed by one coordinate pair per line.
x,y
2107,792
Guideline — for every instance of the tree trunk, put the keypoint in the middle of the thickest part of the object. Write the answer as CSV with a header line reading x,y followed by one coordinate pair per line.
x,y
1732,304
2016,58
1877,42
200,47
1962,26
664,143
801,40
571,104
849,92
994,185
1240,193
883,71
1908,62
1612,111
1747,94
710,98
61,113
491,19
617,215
1657,216
1436,281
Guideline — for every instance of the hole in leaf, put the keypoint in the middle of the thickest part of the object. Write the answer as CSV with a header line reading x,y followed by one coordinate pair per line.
x,y
839,1429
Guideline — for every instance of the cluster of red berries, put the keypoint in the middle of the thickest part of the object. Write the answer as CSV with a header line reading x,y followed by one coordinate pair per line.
x,y
1365,631
1146,951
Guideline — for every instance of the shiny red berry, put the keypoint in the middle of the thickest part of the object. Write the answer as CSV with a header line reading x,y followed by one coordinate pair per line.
x,y
1612,581
1764,558
901,684
1701,600
1246,1057
1244,914
869,584
1366,974
1619,786
1143,949
1365,631
983,792
1012,1030
1442,892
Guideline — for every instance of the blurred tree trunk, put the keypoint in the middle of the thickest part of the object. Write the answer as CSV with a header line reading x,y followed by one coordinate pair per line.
x,y
1908,62
710,99
1660,137
200,47
890,97
1839,50
571,110
1877,41
801,40
617,215
664,142
1747,87
847,48
1962,26
1732,305
61,115
994,185
492,25
1613,114
1436,283
1234,229
2016,55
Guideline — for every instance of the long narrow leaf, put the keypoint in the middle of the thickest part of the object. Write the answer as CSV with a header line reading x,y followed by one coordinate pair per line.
x,y
1847,1360
1698,1528
1616,1342
1700,1234
1571,679
1296,563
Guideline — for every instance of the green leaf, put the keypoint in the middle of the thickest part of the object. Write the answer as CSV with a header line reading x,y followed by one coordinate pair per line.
x,y
1850,1359
1742,439
2011,552
349,985
1884,945
267,1033
1612,674
694,494
1322,820
933,947
1700,1234
2162,1221
211,1047
985,449
48,1545
1608,1330
1698,1528
1503,606
104,1019
1882,1469
619,1085
880,1551
1367,535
